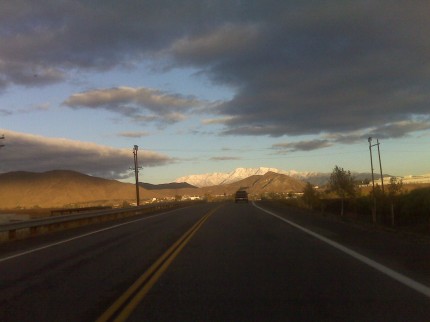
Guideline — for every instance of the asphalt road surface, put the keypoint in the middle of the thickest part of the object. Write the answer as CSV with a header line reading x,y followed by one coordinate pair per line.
x,y
210,262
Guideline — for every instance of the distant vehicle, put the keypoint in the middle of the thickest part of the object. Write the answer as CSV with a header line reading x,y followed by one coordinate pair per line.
x,y
241,195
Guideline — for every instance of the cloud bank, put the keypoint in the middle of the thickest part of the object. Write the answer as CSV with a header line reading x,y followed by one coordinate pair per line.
x,y
28,152
297,67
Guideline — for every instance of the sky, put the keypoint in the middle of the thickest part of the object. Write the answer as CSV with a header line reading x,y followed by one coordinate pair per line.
x,y
208,86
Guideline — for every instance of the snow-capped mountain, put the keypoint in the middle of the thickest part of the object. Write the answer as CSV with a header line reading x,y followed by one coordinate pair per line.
x,y
220,178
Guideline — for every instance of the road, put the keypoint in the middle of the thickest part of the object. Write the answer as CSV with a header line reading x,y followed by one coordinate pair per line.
x,y
209,262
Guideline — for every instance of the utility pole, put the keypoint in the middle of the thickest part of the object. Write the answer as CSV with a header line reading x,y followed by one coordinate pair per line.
x,y
136,174
380,167
373,181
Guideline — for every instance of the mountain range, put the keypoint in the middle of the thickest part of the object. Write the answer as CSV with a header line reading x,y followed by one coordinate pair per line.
x,y
61,188
222,178
259,184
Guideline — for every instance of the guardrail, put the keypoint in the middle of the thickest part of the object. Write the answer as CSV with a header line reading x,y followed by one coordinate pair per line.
x,y
63,211
11,231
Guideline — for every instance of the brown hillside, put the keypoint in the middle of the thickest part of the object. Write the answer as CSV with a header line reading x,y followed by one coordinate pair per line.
x,y
59,188
257,185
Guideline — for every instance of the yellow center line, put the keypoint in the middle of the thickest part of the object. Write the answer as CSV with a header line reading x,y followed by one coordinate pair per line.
x,y
137,291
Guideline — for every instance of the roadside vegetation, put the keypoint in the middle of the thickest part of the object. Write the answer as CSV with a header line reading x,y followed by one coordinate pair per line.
x,y
345,197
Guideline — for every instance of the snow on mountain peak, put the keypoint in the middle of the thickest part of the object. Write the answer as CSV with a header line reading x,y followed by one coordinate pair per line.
x,y
212,179
317,178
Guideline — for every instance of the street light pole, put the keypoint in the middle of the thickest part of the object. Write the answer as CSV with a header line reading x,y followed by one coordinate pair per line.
x,y
136,173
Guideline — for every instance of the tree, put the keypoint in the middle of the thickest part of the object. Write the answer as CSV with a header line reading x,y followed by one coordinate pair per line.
x,y
342,183
394,188
310,195
365,181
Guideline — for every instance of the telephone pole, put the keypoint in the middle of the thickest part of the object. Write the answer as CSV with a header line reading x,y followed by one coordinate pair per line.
x,y
380,167
136,173
373,179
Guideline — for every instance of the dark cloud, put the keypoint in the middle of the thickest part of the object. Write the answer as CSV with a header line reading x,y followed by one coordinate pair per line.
x,y
138,134
28,152
400,129
298,67
302,145
43,107
225,158
328,67
385,131
5,112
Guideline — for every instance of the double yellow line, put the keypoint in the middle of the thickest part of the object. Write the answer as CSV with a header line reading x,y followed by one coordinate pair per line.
x,y
121,309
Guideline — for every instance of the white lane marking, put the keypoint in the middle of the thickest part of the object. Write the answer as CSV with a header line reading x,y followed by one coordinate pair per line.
x,y
421,288
80,236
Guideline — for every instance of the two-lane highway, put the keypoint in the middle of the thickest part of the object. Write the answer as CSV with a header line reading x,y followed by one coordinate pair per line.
x,y
210,262
76,278
246,265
